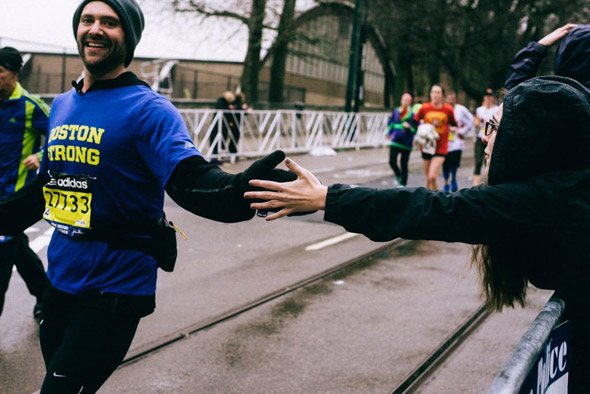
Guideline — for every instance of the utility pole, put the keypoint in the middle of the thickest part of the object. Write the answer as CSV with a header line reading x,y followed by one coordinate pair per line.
x,y
353,60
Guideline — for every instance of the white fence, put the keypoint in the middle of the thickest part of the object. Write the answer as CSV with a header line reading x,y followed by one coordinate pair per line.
x,y
231,134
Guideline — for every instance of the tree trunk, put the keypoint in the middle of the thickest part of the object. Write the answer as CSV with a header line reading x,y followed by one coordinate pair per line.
x,y
252,62
281,51
404,79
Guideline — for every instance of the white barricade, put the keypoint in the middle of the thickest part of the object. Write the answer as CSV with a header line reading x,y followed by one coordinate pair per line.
x,y
230,134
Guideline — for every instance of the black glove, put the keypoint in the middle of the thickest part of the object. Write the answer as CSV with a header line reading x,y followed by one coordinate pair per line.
x,y
265,169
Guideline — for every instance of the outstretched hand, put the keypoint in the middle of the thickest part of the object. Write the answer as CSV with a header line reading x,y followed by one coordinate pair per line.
x,y
305,194
557,34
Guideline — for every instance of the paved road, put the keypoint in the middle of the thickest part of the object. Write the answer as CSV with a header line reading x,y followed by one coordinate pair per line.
x,y
355,334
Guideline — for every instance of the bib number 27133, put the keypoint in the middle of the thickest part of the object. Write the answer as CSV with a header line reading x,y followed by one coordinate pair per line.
x,y
68,203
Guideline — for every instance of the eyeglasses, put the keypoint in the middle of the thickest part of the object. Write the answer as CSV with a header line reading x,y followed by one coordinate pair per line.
x,y
490,127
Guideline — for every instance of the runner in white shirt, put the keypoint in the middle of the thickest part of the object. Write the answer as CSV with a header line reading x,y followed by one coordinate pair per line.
x,y
482,115
452,162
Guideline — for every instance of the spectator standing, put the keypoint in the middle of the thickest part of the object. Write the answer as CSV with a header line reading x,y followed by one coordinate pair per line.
x,y
239,106
225,124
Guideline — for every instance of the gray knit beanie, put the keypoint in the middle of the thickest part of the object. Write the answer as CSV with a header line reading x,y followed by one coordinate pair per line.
x,y
132,22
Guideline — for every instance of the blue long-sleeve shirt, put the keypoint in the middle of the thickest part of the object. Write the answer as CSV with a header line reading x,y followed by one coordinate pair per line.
x,y
23,120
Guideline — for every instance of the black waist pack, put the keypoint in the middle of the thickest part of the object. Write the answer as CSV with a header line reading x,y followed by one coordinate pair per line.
x,y
158,239
166,250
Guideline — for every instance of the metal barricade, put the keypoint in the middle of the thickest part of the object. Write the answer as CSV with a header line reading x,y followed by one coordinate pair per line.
x,y
514,372
231,134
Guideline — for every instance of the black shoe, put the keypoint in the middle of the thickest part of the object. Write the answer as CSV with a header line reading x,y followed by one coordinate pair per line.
x,y
37,310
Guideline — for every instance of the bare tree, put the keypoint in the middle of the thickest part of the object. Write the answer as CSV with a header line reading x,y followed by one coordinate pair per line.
x,y
291,29
272,25
280,52
253,17
269,26
252,62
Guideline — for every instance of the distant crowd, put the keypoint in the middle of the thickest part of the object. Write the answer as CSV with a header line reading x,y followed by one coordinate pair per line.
x,y
438,129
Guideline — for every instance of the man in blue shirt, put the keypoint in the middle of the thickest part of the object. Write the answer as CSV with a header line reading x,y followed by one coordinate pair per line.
x,y
23,121
114,146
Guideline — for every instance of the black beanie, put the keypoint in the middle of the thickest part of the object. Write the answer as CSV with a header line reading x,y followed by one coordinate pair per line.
x,y
544,128
132,22
11,59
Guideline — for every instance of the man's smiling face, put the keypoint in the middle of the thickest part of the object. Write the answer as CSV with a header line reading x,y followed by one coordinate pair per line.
x,y
101,38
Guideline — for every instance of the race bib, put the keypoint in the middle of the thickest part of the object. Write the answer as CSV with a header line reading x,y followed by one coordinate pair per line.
x,y
68,203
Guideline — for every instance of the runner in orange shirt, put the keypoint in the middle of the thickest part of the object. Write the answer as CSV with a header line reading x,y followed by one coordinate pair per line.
x,y
440,115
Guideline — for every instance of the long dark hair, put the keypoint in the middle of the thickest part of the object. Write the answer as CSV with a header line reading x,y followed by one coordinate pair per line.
x,y
503,281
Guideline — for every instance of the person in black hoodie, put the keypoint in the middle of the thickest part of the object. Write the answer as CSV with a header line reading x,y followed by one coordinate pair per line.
x,y
531,221
572,57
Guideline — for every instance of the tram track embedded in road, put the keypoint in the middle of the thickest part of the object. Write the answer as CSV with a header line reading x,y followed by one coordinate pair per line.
x,y
434,360
200,326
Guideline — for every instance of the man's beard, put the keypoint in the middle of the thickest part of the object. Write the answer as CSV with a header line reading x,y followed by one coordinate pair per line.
x,y
114,59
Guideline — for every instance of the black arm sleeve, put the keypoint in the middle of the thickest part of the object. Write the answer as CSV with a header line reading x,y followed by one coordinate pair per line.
x,y
476,215
525,64
205,190
23,208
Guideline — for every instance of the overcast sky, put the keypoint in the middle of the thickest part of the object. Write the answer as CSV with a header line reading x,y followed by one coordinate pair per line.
x,y
49,23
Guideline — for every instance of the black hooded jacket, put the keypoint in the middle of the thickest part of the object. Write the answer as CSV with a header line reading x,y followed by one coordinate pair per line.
x,y
572,59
